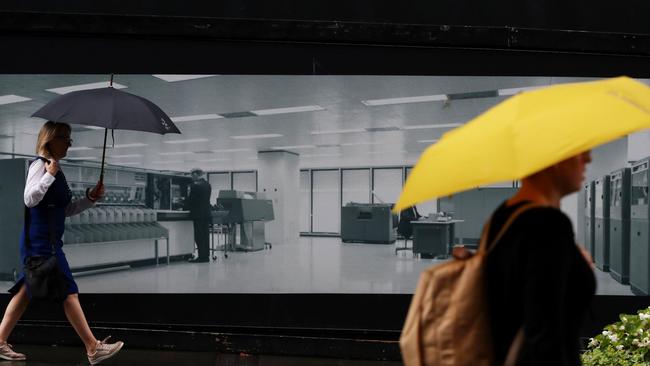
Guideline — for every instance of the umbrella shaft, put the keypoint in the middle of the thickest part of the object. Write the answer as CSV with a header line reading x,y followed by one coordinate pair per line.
x,y
101,174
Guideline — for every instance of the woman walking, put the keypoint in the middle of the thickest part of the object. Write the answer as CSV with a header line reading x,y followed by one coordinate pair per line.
x,y
47,193
540,283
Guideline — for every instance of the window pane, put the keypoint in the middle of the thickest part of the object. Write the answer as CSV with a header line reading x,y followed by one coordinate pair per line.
x,y
305,197
356,186
387,185
327,208
244,181
218,182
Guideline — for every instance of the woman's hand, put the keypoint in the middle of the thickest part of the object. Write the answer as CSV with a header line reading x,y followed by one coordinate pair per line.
x,y
97,192
52,167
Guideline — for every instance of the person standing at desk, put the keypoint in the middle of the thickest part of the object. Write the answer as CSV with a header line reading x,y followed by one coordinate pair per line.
x,y
198,203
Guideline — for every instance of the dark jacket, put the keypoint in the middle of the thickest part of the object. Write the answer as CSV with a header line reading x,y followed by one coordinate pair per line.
x,y
199,200
538,278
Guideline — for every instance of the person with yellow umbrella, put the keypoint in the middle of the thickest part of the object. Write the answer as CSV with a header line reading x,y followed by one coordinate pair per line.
x,y
538,282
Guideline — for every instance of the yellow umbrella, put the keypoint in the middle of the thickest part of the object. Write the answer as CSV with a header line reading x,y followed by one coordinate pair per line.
x,y
527,133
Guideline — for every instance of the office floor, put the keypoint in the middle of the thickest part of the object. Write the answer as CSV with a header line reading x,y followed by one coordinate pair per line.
x,y
50,356
312,265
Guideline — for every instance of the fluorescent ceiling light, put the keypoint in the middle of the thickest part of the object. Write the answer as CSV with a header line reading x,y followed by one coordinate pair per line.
x,y
125,156
427,141
120,146
175,153
295,147
79,148
230,150
196,117
93,127
210,160
419,99
185,141
173,78
441,125
71,88
382,129
307,108
250,137
8,99
331,132
513,91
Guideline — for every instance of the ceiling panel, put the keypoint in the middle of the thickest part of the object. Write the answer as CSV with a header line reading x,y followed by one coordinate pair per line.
x,y
235,96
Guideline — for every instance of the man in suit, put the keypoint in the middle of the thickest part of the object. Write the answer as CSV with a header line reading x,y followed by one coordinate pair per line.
x,y
198,203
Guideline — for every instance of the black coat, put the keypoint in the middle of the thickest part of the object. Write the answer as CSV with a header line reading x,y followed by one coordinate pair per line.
x,y
538,278
199,200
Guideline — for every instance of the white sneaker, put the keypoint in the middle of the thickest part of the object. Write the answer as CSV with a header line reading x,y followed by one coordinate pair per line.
x,y
7,353
105,351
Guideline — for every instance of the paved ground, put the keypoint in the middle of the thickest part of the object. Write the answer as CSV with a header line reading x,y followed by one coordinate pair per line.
x,y
49,356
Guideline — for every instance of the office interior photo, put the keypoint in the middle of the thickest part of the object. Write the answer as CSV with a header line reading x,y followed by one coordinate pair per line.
x,y
303,171
305,119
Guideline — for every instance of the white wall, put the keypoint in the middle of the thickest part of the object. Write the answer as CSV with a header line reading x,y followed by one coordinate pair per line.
x,y
279,180
638,146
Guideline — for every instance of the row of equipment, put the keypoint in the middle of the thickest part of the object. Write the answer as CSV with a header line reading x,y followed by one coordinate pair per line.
x,y
617,225
108,223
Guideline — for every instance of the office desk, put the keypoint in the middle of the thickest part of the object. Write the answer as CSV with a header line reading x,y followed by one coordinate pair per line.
x,y
433,238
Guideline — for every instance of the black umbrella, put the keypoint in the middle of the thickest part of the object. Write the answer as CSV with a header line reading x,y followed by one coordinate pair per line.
x,y
108,108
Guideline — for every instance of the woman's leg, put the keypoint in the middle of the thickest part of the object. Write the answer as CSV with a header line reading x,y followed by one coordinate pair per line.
x,y
14,311
76,317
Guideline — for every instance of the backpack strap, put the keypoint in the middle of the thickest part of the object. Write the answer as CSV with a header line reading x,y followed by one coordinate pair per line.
x,y
483,247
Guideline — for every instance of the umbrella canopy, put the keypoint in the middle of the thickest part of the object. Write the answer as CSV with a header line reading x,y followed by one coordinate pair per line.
x,y
527,133
109,108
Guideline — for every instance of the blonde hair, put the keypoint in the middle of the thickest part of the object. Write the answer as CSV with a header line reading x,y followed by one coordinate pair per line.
x,y
47,133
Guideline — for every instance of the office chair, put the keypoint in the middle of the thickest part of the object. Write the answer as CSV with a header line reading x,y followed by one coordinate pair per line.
x,y
405,228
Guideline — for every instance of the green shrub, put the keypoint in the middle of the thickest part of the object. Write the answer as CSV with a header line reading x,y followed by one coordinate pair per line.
x,y
624,343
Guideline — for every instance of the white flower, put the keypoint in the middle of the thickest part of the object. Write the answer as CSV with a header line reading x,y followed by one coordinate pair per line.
x,y
645,343
593,342
613,337
622,327
636,342
644,316
605,332
619,347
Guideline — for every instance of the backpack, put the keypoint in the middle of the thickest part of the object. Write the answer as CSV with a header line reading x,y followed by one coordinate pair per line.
x,y
448,320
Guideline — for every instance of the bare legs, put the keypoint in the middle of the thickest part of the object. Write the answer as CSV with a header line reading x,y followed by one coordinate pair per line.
x,y
77,319
72,309
14,311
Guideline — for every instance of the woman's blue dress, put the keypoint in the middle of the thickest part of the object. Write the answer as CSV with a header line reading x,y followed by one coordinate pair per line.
x,y
58,195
